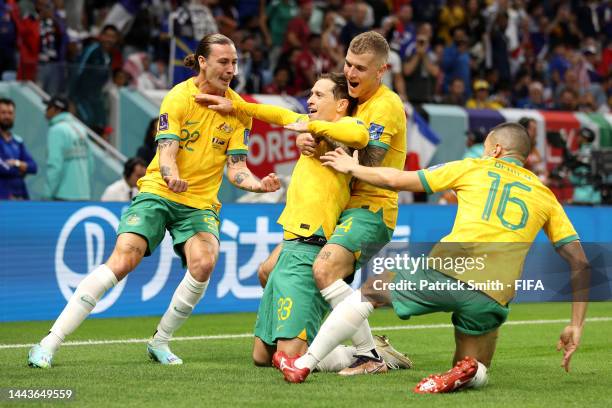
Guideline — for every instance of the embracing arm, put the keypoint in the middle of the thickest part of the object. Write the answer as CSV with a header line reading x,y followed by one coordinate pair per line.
x,y
168,149
239,175
385,177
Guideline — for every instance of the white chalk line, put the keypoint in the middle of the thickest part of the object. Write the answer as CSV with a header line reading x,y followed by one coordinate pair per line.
x,y
248,335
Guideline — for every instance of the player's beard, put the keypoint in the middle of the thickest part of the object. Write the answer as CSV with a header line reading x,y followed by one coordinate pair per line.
x,y
7,125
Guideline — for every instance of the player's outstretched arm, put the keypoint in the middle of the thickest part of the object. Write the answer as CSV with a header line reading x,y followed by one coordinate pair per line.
x,y
384,177
239,175
348,131
268,113
569,340
168,149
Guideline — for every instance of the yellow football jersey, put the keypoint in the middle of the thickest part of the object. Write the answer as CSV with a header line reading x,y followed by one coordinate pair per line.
x,y
384,116
316,195
502,207
205,138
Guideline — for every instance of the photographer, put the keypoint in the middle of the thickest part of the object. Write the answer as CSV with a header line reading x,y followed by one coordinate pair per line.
x,y
581,176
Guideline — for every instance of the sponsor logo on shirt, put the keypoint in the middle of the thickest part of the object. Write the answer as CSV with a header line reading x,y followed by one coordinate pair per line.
x,y
224,127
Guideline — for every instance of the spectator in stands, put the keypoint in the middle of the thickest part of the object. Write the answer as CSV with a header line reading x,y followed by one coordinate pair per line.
x,y
356,25
481,97
456,93
499,52
53,44
69,158
535,98
567,100
148,149
92,74
277,16
281,84
563,29
452,15
456,60
401,31
421,70
125,188
312,62
581,177
298,32
15,160
9,18
330,39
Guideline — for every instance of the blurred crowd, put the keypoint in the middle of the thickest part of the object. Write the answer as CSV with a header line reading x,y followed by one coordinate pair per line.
x,y
475,53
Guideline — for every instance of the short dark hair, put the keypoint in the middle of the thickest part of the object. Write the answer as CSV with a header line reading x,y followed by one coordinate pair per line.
x,y
340,89
130,165
110,27
7,101
205,48
518,135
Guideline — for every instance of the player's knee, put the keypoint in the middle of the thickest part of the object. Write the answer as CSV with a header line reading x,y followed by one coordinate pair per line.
x,y
201,267
261,359
323,274
124,259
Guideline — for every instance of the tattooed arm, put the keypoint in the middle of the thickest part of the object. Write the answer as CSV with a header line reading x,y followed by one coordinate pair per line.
x,y
239,175
372,156
168,149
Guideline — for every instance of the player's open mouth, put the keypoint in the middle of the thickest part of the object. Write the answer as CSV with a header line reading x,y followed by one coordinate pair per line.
x,y
353,84
312,110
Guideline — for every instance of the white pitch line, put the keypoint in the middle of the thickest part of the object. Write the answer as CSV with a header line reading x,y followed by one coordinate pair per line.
x,y
248,335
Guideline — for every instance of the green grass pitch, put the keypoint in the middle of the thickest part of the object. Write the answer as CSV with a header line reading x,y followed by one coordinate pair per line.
x,y
219,372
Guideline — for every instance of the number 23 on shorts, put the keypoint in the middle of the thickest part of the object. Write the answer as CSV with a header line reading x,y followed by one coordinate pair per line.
x,y
284,308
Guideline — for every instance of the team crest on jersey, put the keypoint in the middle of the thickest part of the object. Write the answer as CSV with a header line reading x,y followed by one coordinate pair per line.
x,y
224,127
376,131
247,132
133,220
163,122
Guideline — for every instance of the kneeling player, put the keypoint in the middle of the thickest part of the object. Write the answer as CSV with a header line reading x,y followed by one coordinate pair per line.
x,y
477,314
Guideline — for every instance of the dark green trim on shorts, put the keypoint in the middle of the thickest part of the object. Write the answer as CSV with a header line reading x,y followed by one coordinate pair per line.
x,y
378,144
567,240
235,152
167,136
424,182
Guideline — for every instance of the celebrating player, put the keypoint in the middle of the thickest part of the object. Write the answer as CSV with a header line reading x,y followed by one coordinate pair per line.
x,y
178,194
523,207
291,310
368,221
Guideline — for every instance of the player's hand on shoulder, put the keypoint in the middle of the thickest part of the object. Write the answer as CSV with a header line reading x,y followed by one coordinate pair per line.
x,y
306,143
340,161
215,102
297,127
270,183
176,184
569,340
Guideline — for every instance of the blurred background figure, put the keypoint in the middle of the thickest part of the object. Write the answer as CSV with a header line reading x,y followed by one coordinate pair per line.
x,y
15,160
125,188
148,149
69,158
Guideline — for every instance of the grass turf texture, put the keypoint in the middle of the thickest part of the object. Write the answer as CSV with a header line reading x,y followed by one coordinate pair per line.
x,y
525,369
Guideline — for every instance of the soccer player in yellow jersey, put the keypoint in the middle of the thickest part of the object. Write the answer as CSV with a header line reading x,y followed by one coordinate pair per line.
x,y
499,201
291,309
178,194
370,216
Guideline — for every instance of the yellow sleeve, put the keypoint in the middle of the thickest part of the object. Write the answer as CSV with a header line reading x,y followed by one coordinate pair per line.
x,y
383,125
442,176
349,131
239,140
268,113
171,116
558,227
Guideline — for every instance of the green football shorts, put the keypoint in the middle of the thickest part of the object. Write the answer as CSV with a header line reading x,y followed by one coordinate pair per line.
x,y
362,232
291,305
150,215
473,312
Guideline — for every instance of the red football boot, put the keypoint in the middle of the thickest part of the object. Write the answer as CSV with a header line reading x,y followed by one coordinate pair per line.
x,y
286,365
451,380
